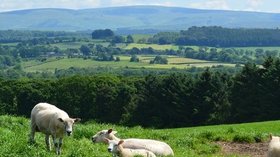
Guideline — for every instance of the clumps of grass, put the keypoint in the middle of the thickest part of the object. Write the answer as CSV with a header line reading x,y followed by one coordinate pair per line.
x,y
243,138
249,138
259,137
187,142
211,136
208,149
230,130
197,144
207,135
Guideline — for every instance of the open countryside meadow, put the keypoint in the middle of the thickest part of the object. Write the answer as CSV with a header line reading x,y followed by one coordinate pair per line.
x,y
185,142
160,78
236,140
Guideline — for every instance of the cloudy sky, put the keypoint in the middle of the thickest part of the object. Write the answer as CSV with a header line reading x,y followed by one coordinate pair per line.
x,y
244,5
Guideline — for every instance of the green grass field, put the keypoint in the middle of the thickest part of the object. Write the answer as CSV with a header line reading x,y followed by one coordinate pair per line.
x,y
154,46
175,47
77,45
174,62
138,37
186,142
264,48
9,44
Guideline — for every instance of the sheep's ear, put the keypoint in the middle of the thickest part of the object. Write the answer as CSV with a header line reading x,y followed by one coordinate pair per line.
x,y
77,120
120,142
109,131
60,119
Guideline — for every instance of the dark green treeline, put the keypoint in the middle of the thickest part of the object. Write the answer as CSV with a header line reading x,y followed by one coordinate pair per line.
x,y
173,100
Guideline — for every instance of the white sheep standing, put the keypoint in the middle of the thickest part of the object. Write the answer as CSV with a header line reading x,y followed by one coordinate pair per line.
x,y
274,146
157,147
116,148
50,120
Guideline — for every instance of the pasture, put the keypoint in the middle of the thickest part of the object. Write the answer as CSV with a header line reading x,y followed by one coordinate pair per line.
x,y
154,46
138,37
78,44
254,48
186,142
196,48
64,63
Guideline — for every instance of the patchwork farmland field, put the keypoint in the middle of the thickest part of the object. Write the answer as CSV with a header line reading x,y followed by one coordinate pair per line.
x,y
174,62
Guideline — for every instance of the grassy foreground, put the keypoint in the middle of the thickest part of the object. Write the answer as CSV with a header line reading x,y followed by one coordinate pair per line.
x,y
186,142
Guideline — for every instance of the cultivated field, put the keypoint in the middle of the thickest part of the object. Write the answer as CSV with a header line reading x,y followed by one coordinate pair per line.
x,y
186,142
154,46
174,62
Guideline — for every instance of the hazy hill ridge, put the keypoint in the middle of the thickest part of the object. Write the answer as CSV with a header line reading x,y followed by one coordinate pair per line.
x,y
133,17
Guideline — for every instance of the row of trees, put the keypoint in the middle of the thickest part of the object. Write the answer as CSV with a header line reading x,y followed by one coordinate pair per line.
x,y
17,73
109,35
7,36
201,36
220,37
174,100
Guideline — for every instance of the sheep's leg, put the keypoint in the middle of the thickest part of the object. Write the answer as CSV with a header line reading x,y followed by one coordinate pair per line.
x,y
32,133
47,140
59,145
55,144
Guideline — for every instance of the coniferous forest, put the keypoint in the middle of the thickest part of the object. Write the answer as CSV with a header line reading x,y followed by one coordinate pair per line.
x,y
161,101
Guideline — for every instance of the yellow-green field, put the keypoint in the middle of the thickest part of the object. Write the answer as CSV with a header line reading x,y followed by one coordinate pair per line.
x,y
174,62
175,47
154,46
138,37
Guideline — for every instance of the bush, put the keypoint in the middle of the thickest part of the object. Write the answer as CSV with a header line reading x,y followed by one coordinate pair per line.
x,y
159,60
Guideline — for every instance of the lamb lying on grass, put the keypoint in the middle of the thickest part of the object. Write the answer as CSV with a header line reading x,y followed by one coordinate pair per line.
x,y
50,120
157,147
274,146
116,148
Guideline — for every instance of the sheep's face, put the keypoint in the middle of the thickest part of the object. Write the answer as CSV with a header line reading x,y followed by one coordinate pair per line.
x,y
113,146
68,124
102,135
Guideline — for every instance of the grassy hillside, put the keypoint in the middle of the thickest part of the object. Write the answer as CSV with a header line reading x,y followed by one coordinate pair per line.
x,y
133,17
191,142
174,62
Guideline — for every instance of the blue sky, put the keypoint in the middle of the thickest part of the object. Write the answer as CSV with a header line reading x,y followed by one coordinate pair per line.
x,y
243,5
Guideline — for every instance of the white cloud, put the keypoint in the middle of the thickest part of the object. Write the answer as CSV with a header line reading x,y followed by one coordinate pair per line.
x,y
211,4
140,2
253,5
120,2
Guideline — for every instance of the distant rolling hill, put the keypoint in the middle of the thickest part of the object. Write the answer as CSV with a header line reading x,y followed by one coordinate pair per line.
x,y
133,17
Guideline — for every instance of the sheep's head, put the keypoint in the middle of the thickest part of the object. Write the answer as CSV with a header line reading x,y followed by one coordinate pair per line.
x,y
102,135
114,145
68,124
